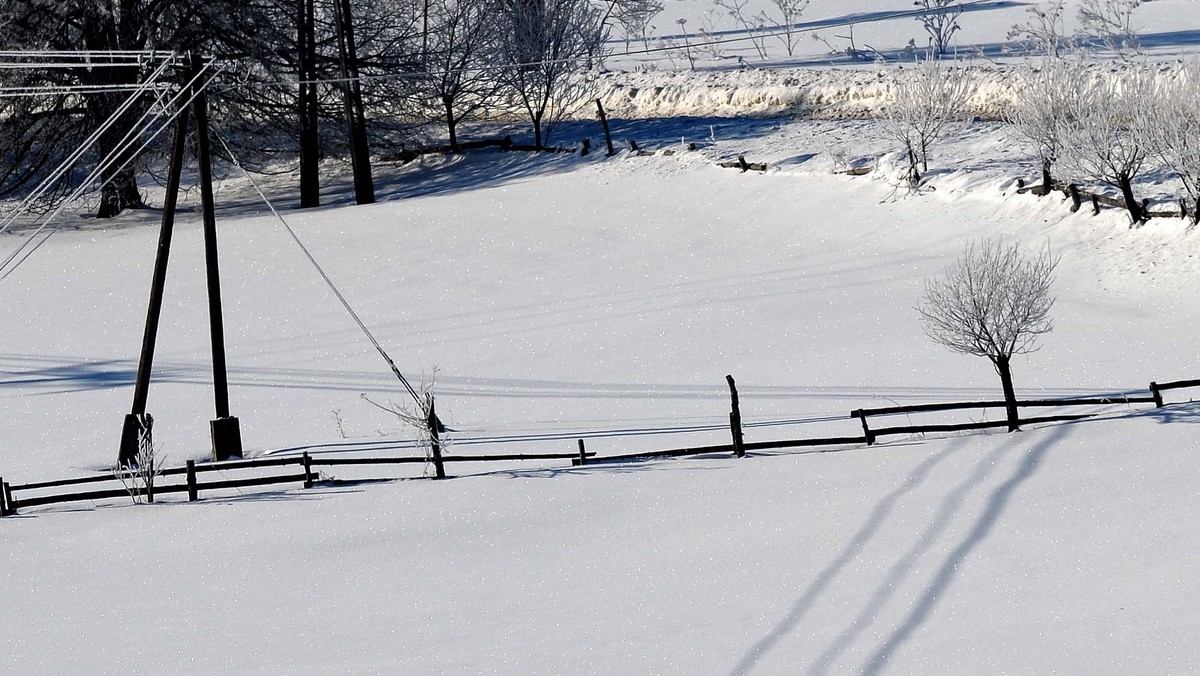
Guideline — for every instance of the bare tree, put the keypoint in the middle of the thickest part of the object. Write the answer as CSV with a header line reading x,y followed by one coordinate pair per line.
x,y
1041,114
1107,141
790,12
993,302
1044,32
927,98
940,20
1170,122
549,46
634,17
461,42
1110,23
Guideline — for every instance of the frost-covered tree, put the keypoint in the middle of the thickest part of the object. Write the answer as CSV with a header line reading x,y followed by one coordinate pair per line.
x,y
1170,122
549,47
1110,23
926,98
1041,112
1107,139
940,21
1044,31
634,17
790,12
992,302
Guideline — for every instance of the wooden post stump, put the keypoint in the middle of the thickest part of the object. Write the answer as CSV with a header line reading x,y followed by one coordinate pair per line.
x,y
582,459
735,420
604,123
308,478
193,489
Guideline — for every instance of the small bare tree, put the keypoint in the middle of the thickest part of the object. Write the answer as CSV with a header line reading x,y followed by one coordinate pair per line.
x,y
927,98
993,302
1170,121
940,20
1044,32
634,17
549,48
1107,140
1110,23
1041,115
790,12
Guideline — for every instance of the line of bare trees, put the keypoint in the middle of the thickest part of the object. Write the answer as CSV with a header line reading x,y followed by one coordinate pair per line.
x,y
314,79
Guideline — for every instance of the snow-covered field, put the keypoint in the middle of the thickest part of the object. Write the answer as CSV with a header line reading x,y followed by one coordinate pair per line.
x,y
563,297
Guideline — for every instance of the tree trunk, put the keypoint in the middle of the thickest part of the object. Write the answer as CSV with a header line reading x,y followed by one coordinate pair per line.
x,y
537,132
1135,209
118,194
1046,181
310,142
451,126
1010,396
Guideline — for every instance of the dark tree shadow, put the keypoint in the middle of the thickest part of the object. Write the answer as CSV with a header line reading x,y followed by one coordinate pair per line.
x,y
858,541
949,569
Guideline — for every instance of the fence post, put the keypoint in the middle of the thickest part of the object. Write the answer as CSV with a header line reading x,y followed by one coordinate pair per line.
x,y
307,461
435,445
1157,394
582,459
1074,194
6,500
604,123
862,417
735,420
193,491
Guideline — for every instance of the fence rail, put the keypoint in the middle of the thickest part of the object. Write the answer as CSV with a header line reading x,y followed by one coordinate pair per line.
x,y
307,477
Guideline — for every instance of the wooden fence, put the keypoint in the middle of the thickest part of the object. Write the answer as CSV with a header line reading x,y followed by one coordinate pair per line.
x,y
300,469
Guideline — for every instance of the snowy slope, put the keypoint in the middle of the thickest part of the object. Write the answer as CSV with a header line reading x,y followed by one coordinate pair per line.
x,y
566,297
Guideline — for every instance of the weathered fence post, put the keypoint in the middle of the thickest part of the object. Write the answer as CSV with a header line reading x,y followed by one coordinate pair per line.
x,y
867,434
435,445
585,147
633,145
735,420
1157,394
3,497
1095,205
193,491
307,461
604,123
10,507
743,164
1075,200
582,459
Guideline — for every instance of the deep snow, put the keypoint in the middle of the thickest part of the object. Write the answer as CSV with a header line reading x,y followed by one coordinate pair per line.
x,y
571,296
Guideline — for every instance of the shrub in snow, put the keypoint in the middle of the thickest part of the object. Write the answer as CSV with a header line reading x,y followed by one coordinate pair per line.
x,y
926,99
139,475
1044,32
993,302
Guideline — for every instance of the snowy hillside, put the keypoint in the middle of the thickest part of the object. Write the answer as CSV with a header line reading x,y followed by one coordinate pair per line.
x,y
555,297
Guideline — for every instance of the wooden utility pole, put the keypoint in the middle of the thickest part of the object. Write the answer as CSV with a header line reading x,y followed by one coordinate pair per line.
x,y
224,430
356,125
310,142
134,426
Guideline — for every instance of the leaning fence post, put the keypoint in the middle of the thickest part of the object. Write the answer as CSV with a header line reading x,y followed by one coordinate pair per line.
x,y
582,459
862,417
604,123
193,490
1157,394
735,420
307,462
1075,199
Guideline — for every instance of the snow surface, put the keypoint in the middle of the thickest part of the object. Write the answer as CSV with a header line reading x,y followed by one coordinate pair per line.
x,y
563,297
